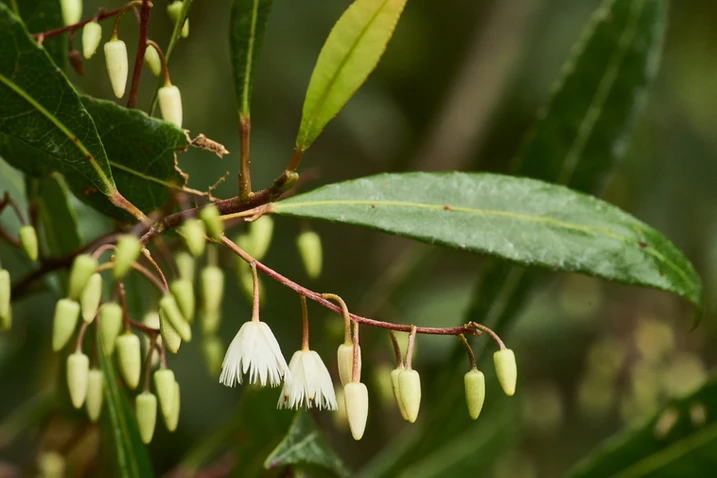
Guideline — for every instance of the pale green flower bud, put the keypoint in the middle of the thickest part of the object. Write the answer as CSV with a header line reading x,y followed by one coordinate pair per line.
x,y
345,360
213,354
95,392
164,386
83,267
117,65
210,322
50,464
64,322
170,337
110,317
129,357
28,240
308,244
71,11
91,38
506,370
170,105
193,231
90,298
128,249
78,369
409,389
397,391
174,10
475,392
151,58
212,283
169,311
212,219
356,399
5,295
186,264
146,410
183,292
260,234
6,320
174,418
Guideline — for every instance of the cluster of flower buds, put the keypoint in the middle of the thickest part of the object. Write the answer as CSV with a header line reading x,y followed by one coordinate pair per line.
x,y
27,238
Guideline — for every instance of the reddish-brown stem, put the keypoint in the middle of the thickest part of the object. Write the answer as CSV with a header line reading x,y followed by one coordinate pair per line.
x,y
317,297
7,201
81,336
304,325
345,312
469,351
4,235
139,57
102,249
397,348
163,61
99,16
493,335
295,160
145,272
255,301
123,303
355,360
145,329
409,348
244,169
151,260
148,363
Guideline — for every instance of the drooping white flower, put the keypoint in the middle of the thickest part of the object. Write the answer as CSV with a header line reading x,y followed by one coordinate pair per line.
x,y
310,384
255,351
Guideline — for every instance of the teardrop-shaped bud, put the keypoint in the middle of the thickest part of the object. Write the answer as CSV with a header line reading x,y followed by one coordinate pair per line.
x,y
213,354
210,322
193,231
95,392
212,219
308,243
164,386
90,299
174,10
28,240
50,464
170,104
91,38
78,369
110,317
506,370
356,399
146,411
83,267
397,391
183,292
129,357
151,58
260,234
71,11
409,389
64,322
186,265
169,310
170,337
212,283
5,293
345,360
475,392
174,418
126,254
117,65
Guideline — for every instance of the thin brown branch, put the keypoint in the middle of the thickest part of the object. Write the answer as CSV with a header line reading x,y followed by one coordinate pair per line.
x,y
244,168
139,56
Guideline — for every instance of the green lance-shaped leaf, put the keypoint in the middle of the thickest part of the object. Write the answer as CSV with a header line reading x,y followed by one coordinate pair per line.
x,y
43,125
120,427
350,54
142,152
305,446
677,441
522,220
246,34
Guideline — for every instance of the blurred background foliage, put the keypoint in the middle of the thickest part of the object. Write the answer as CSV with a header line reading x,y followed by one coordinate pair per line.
x,y
458,88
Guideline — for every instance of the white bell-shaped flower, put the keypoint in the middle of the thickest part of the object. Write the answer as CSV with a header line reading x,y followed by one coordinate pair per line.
x,y
310,384
255,351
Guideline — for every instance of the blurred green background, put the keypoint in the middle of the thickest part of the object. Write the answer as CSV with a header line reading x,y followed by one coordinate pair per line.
x,y
458,87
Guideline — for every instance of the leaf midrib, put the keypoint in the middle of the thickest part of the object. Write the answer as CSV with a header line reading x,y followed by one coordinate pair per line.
x,y
109,185
339,69
278,207
249,66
